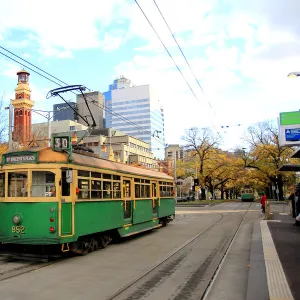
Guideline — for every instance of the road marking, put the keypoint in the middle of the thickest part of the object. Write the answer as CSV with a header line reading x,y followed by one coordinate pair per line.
x,y
277,283
283,214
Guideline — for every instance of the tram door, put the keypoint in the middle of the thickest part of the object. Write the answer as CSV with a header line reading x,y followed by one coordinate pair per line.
x,y
127,202
154,196
66,212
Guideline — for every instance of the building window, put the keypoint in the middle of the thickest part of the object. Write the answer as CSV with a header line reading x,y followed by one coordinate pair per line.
x,y
21,113
17,113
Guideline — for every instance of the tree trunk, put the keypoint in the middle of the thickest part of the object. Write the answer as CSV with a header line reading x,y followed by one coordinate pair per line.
x,y
203,194
280,186
222,192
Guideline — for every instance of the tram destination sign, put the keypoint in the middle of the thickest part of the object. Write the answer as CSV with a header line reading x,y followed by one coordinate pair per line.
x,y
19,159
61,143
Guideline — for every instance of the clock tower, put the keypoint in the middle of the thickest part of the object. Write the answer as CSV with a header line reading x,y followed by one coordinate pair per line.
x,y
22,109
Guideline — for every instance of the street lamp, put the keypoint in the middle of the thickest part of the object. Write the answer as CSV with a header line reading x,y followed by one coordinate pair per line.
x,y
47,114
293,74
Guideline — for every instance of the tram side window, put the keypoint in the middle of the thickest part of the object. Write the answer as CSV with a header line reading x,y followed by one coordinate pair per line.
x,y
137,191
84,189
96,189
17,184
2,184
154,190
43,184
126,188
166,189
162,189
107,190
117,190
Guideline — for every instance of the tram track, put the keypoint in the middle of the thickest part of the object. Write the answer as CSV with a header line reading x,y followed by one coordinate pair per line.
x,y
149,280
13,267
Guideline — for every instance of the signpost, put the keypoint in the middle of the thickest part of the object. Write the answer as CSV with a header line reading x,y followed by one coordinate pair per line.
x,y
289,128
292,134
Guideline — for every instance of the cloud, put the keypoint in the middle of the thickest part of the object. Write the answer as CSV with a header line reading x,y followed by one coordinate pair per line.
x,y
57,31
111,42
240,51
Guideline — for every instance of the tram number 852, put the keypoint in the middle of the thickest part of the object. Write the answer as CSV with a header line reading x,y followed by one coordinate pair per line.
x,y
18,229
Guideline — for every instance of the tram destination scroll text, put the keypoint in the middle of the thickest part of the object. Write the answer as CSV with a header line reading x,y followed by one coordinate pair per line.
x,y
20,159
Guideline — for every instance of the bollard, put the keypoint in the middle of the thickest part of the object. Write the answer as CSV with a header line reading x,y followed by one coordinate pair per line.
x,y
291,207
267,213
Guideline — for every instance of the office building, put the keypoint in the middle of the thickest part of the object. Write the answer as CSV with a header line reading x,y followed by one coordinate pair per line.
x,y
137,112
96,103
63,111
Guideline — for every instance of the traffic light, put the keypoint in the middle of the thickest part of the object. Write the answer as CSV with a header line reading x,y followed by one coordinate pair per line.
x,y
196,182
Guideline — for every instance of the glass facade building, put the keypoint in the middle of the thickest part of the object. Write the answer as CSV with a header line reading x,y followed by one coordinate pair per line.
x,y
133,110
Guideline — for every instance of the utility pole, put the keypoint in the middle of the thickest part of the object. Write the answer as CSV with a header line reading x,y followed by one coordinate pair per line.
x,y
49,129
171,155
10,124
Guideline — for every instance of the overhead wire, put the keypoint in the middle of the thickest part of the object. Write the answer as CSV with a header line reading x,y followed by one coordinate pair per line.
x,y
155,31
110,111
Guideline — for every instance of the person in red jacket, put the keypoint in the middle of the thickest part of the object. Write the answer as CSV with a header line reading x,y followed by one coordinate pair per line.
x,y
263,201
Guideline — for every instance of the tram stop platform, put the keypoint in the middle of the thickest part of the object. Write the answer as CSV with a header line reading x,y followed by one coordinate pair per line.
x,y
275,257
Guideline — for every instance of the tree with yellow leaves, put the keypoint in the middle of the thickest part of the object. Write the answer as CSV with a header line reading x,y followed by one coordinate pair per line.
x,y
266,156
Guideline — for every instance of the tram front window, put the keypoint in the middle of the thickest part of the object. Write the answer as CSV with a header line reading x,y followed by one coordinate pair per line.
x,y
17,184
43,184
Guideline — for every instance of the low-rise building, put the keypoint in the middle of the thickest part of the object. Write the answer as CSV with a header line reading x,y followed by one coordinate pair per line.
x,y
175,151
113,144
40,130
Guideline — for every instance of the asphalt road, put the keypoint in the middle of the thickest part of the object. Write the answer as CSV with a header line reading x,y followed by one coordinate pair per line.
x,y
175,262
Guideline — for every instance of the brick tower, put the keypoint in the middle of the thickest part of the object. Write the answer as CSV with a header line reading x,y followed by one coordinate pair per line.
x,y
22,110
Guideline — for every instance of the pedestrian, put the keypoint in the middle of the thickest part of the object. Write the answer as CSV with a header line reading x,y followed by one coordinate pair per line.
x,y
263,201
297,211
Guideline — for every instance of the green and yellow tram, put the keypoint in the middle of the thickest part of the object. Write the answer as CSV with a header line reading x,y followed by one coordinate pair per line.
x,y
59,197
247,194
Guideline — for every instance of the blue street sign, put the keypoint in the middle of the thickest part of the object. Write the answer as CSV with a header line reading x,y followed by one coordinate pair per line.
x,y
292,134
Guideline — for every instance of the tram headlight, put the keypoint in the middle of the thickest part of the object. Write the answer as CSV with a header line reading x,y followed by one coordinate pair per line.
x,y
17,219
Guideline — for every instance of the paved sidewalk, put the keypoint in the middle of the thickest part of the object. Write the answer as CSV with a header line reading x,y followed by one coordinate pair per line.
x,y
286,238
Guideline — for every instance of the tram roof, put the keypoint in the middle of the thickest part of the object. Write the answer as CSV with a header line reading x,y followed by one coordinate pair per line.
x,y
48,155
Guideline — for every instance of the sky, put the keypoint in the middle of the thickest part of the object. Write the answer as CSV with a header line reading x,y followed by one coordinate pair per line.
x,y
240,51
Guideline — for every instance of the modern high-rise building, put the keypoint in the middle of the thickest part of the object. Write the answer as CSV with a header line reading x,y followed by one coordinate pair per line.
x,y
63,111
137,112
